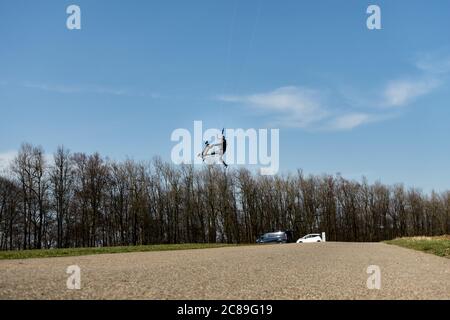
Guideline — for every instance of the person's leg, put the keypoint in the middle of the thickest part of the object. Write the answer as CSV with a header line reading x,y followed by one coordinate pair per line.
x,y
223,161
207,149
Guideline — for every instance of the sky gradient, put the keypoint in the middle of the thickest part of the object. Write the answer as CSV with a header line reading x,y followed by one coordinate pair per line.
x,y
346,99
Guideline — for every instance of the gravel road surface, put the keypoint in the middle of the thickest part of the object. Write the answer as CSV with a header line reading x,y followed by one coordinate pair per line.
x,y
329,270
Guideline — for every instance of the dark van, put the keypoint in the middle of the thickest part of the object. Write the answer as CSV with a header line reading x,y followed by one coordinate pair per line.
x,y
275,237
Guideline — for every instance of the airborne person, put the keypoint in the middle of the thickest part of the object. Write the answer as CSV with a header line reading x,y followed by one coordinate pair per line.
x,y
216,149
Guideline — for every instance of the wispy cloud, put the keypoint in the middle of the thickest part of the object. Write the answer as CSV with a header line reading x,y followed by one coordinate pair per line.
x,y
402,92
349,121
434,63
296,105
89,89
433,68
6,158
314,109
303,107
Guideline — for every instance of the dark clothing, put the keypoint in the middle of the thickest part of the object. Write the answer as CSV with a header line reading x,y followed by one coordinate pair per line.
x,y
224,145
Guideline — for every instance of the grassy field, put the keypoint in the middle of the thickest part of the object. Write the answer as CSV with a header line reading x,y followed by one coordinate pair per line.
x,y
45,253
439,246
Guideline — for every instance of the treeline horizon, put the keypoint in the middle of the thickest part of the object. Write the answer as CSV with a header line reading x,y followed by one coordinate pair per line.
x,y
80,200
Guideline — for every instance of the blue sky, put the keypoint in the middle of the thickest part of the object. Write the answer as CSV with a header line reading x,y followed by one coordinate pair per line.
x,y
346,99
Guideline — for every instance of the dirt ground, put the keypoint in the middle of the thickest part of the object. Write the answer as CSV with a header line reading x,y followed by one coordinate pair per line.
x,y
328,270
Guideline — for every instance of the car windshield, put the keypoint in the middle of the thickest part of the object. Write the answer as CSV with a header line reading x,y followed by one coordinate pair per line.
x,y
272,235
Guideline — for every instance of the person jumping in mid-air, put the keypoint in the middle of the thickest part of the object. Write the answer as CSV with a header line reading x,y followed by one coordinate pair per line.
x,y
216,149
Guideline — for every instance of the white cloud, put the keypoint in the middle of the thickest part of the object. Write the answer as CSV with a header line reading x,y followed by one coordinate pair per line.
x,y
350,121
434,66
302,107
347,109
295,106
6,158
402,92
53,88
434,63
313,110
95,89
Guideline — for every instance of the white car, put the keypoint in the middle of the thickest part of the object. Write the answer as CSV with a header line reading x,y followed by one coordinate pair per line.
x,y
313,237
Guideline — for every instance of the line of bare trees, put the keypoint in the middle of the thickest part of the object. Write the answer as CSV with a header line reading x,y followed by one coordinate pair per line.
x,y
79,200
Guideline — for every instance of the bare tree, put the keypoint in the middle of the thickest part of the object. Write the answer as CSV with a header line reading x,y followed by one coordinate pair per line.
x,y
86,200
61,180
